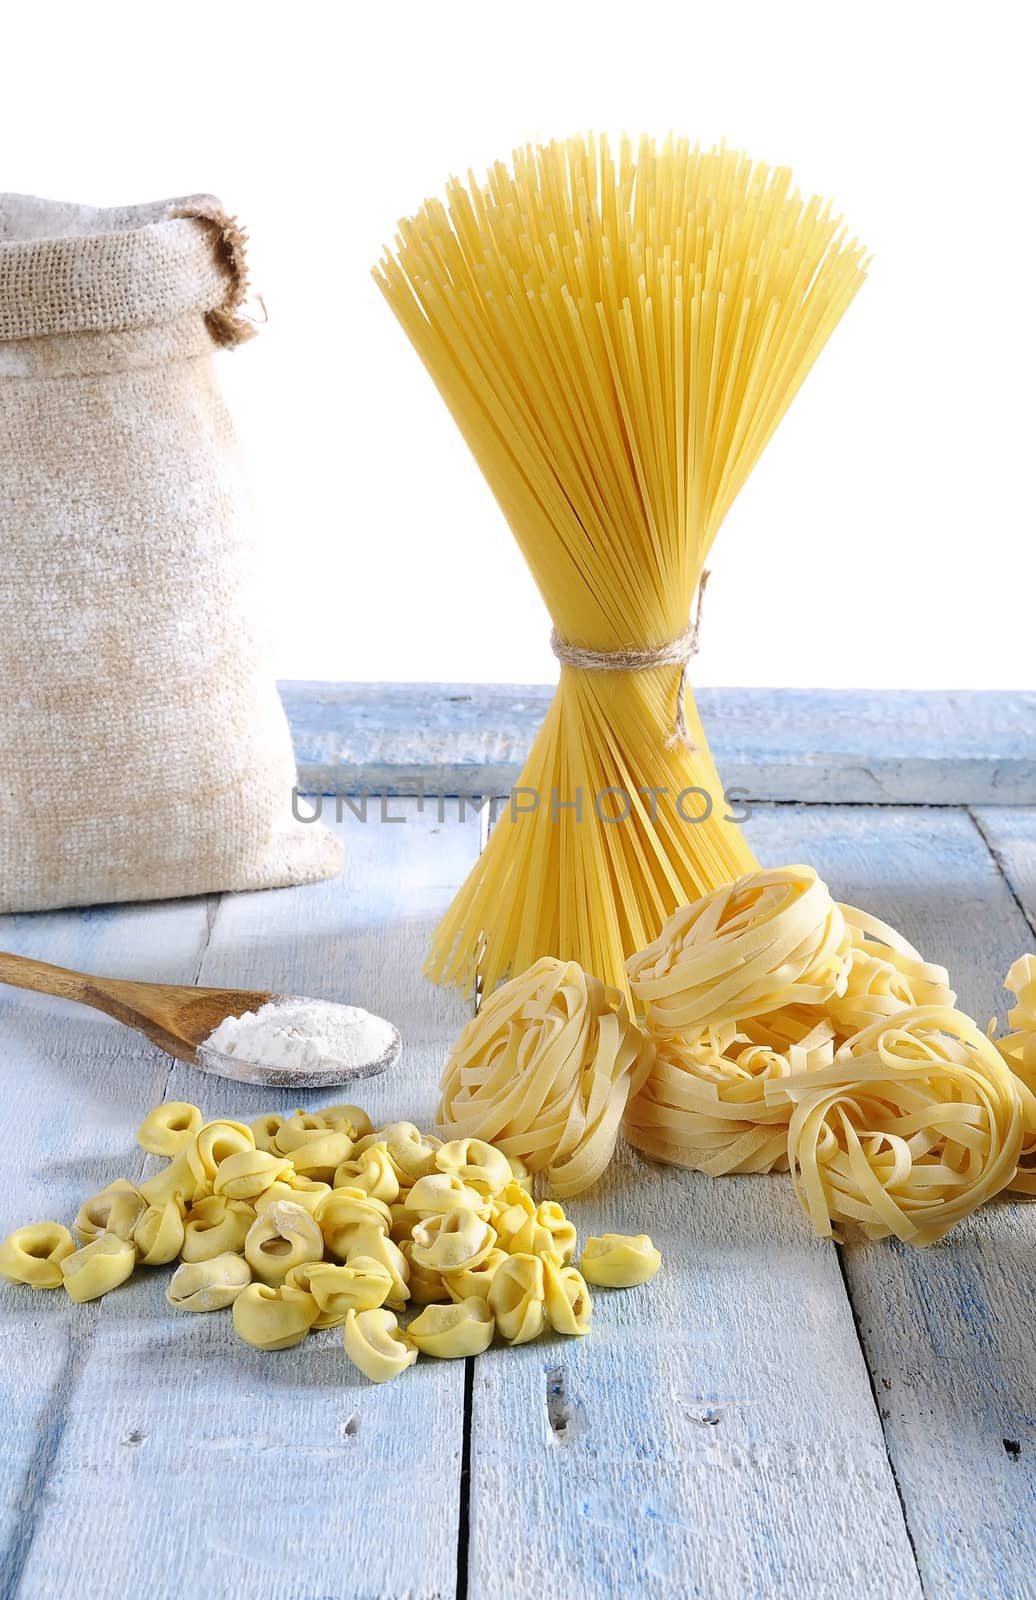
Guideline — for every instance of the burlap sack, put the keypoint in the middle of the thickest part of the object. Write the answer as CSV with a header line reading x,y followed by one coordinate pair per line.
x,y
143,749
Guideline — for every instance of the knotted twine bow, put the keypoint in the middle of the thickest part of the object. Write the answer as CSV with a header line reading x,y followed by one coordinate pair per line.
x,y
677,652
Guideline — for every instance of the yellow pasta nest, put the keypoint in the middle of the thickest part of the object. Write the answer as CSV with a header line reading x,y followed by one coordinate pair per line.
x,y
705,1107
544,1072
770,940
886,974
916,1123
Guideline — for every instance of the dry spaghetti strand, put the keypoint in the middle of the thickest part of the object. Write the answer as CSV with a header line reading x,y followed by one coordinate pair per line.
x,y
617,336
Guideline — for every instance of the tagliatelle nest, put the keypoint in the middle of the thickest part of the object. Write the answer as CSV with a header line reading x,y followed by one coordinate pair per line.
x,y
769,941
544,1072
886,975
916,1123
704,1104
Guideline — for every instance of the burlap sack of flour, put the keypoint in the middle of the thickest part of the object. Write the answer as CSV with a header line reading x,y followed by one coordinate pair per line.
x,y
143,749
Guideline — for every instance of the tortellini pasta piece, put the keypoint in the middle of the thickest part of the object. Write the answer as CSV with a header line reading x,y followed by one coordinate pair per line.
x,y
115,1210
372,1171
452,1242
548,1232
472,1281
33,1255
208,1285
98,1267
249,1173
212,1144
376,1344
216,1226
297,1130
373,1245
346,1212
362,1284
566,1298
176,1178
265,1130
517,1298
477,1163
620,1260
320,1158
348,1119
169,1128
462,1328
412,1152
426,1287
285,1236
159,1233
440,1192
274,1316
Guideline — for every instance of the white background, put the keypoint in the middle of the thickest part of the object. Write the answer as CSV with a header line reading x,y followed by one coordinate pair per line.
x,y
885,539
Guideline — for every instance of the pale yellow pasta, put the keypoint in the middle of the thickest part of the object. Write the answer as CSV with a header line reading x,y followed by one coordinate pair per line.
x,y
426,1287
566,1298
402,1222
376,1344
548,1232
704,1105
348,1119
284,1236
176,1178
412,1152
33,1255
543,1072
886,975
362,1285
452,1243
115,1210
208,1285
472,1281
303,1192
370,1244
372,1171
273,1316
513,1207
159,1233
265,1130
620,1260
344,1213
249,1173
439,1192
450,1332
213,1143
517,1298
319,1159
302,1128
98,1267
769,940
169,1128
480,1165
216,1226
917,1122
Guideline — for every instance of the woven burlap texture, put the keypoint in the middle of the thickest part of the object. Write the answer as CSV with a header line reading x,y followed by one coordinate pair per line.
x,y
144,752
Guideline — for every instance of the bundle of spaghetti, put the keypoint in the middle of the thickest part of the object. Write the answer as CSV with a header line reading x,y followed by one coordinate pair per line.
x,y
886,974
543,1071
771,941
917,1122
704,1104
617,338
1019,1051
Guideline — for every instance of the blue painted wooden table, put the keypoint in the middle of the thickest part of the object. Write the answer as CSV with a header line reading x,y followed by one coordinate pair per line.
x,y
773,1416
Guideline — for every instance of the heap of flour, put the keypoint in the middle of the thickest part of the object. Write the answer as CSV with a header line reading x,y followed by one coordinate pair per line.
x,y
304,1034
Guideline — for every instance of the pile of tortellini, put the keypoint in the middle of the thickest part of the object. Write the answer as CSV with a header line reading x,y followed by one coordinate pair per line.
x,y
318,1220
773,1028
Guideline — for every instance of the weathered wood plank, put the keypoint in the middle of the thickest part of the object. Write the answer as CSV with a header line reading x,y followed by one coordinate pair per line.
x,y
73,1086
966,747
716,1435
1010,833
948,1330
192,1465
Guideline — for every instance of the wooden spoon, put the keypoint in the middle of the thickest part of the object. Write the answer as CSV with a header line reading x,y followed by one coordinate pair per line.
x,y
179,1019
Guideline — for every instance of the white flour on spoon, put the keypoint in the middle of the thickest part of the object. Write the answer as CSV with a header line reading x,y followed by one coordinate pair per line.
x,y
305,1034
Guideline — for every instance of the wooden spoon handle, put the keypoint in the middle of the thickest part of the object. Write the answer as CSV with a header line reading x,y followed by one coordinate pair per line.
x,y
24,973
